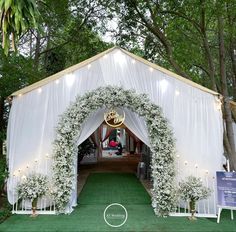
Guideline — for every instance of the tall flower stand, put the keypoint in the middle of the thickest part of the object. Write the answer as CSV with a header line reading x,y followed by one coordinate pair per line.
x,y
192,205
34,207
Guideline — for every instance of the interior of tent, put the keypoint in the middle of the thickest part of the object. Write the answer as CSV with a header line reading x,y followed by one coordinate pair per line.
x,y
193,112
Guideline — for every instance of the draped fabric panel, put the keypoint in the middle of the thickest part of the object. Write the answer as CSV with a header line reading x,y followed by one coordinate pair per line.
x,y
194,116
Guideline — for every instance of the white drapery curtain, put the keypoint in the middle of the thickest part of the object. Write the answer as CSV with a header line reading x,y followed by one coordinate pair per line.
x,y
194,115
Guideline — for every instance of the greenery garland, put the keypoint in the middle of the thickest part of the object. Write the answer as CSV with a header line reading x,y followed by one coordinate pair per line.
x,y
160,135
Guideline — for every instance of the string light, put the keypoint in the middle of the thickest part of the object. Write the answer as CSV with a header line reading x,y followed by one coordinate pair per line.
x,y
119,58
177,156
39,90
207,172
89,66
133,61
151,69
163,85
177,92
57,81
47,156
70,78
196,166
19,95
36,161
105,56
186,163
23,177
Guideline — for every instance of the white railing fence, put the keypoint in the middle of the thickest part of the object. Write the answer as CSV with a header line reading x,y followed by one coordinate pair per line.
x,y
45,205
204,208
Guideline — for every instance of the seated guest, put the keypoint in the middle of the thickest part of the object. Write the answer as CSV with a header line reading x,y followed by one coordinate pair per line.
x,y
112,143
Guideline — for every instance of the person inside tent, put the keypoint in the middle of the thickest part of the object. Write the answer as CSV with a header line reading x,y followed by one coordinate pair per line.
x,y
120,148
113,143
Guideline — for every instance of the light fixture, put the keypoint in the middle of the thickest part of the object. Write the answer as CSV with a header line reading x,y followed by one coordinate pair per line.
x,y
163,85
177,92
119,58
70,78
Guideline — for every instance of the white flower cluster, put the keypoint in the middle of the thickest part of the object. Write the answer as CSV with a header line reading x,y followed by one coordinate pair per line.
x,y
33,186
162,143
192,189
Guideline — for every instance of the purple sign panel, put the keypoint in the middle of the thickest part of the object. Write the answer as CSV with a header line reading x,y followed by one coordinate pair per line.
x,y
226,188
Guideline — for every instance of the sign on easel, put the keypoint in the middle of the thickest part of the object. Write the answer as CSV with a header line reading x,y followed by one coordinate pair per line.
x,y
226,192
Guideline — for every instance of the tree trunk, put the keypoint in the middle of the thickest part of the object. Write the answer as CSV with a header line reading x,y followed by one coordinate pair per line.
x,y
37,51
227,109
2,128
206,45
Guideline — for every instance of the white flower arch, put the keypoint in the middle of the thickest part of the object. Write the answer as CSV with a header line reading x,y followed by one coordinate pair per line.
x,y
161,140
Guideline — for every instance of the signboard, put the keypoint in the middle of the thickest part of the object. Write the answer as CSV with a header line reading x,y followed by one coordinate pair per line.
x,y
114,117
226,189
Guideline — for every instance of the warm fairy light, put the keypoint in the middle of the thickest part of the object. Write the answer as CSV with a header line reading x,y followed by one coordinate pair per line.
x,y
105,56
70,78
151,69
89,66
19,95
39,90
57,82
177,92
23,177
177,156
185,162
47,156
119,58
133,61
207,172
196,166
27,166
36,161
163,85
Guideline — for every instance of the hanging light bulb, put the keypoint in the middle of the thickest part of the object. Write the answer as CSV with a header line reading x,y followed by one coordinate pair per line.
x,y
70,79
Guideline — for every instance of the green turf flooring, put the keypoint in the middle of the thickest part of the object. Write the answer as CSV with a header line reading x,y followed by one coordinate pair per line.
x,y
102,189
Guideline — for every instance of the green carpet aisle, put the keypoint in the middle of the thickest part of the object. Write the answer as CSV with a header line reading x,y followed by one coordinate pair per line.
x,y
103,189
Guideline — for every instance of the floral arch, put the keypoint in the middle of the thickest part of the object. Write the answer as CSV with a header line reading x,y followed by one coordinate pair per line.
x,y
160,135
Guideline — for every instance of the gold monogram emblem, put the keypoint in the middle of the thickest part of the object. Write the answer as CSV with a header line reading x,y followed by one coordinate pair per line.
x,y
113,118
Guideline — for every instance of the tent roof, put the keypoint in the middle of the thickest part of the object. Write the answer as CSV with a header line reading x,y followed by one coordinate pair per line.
x,y
88,61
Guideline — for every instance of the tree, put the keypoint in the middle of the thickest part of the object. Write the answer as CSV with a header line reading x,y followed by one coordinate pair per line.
x,y
182,36
15,18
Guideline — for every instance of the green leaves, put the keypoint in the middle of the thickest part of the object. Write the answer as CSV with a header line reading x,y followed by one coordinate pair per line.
x,y
15,18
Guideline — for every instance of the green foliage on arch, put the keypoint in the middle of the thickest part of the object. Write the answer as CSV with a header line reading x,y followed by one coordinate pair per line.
x,y
160,135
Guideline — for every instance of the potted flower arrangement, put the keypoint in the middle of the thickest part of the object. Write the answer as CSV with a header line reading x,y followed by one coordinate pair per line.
x,y
33,187
192,190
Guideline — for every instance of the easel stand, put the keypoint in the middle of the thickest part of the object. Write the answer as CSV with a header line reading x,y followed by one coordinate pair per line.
x,y
225,207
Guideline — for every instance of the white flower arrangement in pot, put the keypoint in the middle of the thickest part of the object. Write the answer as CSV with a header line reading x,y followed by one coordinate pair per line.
x,y
192,190
32,187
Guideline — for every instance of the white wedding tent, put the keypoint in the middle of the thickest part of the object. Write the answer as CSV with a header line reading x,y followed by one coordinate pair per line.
x,y
194,114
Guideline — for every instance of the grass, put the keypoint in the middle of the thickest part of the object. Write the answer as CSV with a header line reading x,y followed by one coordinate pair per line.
x,y
102,189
